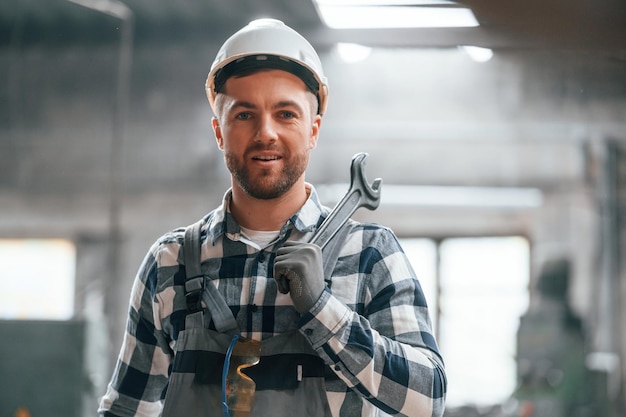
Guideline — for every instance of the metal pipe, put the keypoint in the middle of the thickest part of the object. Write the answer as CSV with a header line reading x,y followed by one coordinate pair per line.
x,y
122,12
609,267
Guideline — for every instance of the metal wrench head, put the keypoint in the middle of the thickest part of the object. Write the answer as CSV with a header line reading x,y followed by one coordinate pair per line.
x,y
360,194
370,194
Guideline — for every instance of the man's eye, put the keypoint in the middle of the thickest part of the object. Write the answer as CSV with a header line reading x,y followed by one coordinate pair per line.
x,y
243,116
288,114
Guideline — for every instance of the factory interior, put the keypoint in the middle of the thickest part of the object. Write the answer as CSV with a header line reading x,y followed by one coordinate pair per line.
x,y
500,142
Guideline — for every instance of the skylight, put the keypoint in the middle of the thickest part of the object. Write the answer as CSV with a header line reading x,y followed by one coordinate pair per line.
x,y
379,14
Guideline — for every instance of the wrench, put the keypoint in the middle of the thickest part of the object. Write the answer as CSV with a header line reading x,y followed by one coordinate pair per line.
x,y
360,194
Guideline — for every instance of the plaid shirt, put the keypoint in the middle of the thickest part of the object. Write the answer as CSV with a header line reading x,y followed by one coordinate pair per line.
x,y
372,327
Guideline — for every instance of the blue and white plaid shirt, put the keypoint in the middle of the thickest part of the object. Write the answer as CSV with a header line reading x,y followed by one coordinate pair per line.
x,y
371,328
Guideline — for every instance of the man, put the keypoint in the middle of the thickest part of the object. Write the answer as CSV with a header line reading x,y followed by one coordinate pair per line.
x,y
356,344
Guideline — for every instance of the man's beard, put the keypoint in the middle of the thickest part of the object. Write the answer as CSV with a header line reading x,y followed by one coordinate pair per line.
x,y
267,186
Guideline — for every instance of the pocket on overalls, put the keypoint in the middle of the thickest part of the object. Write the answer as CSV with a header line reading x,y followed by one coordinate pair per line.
x,y
194,388
289,379
308,399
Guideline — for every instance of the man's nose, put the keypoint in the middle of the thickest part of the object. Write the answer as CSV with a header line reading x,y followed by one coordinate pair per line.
x,y
266,130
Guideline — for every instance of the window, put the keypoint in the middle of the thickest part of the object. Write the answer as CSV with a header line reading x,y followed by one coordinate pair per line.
x,y
482,287
37,278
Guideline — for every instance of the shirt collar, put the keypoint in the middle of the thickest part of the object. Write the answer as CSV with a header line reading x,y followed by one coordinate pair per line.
x,y
305,220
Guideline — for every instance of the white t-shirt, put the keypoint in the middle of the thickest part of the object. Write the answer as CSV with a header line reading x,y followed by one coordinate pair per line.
x,y
259,238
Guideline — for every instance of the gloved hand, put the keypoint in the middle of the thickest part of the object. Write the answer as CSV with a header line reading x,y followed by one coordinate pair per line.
x,y
298,271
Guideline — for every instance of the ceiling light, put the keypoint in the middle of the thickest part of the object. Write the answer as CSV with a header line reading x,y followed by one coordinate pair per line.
x,y
353,52
477,53
363,14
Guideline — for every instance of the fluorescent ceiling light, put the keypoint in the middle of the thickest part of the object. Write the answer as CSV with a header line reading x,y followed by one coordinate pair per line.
x,y
478,54
399,14
111,7
353,52
386,2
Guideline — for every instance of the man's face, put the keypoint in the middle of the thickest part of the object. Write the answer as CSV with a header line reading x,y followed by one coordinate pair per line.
x,y
267,127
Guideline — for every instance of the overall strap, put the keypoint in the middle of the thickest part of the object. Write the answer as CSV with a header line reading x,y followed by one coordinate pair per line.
x,y
194,281
195,284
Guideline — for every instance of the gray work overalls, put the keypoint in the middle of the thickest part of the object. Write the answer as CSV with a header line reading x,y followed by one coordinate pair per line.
x,y
289,377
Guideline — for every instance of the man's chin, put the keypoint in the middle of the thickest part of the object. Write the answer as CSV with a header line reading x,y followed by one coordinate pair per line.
x,y
265,191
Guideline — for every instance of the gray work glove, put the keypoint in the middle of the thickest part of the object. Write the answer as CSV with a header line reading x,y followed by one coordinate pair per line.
x,y
298,271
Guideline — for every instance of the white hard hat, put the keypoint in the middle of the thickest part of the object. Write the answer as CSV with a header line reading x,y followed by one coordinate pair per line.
x,y
268,43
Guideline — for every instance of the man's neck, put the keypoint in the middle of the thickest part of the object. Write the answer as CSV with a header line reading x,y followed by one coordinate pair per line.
x,y
271,214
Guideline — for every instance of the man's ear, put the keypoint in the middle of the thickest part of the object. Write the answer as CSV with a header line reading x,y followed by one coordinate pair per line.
x,y
217,130
315,131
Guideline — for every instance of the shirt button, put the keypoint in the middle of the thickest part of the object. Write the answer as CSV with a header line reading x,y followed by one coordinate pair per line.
x,y
308,332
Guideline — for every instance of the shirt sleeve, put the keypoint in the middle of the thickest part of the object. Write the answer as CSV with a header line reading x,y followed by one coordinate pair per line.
x,y
140,375
374,330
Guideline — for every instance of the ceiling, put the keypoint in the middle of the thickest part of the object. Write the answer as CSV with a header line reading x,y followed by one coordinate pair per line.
x,y
579,24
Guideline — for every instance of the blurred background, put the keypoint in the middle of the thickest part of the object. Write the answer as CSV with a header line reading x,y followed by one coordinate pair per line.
x,y
498,127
